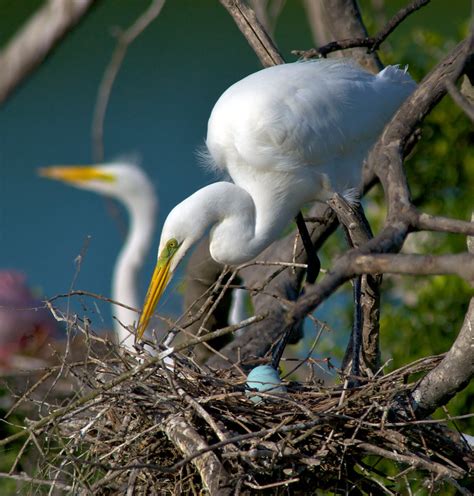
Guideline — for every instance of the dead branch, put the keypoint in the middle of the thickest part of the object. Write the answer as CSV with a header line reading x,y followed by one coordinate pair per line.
x,y
267,12
31,45
254,32
426,222
125,39
461,101
188,441
340,19
461,264
453,373
372,43
35,481
412,461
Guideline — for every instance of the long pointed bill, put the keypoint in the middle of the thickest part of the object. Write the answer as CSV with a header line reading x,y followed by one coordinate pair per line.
x,y
76,173
159,281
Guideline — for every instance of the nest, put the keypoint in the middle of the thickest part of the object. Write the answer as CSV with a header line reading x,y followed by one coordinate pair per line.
x,y
137,426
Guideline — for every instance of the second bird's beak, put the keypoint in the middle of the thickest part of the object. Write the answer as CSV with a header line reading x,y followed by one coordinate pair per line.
x,y
76,173
159,281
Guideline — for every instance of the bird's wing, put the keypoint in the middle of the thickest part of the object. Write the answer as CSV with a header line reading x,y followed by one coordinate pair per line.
x,y
304,114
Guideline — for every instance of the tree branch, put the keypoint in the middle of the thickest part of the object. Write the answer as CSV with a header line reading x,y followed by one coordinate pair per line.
x,y
254,32
453,373
36,39
461,264
426,222
188,441
372,43
461,101
340,19
455,370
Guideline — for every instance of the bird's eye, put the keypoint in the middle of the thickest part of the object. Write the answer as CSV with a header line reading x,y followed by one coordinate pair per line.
x,y
172,244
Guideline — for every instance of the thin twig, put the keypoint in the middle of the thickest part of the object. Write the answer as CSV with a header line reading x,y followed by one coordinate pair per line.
x,y
371,42
124,40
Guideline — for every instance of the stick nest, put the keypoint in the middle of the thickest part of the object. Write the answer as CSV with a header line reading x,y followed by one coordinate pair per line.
x,y
135,425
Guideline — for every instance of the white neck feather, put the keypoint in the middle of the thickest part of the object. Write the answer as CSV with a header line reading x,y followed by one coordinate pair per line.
x,y
242,225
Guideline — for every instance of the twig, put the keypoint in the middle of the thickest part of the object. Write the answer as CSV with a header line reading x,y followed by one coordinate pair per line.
x,y
412,460
258,487
33,480
461,101
372,43
124,40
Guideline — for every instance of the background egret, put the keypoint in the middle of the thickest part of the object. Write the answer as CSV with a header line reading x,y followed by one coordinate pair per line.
x,y
287,135
128,183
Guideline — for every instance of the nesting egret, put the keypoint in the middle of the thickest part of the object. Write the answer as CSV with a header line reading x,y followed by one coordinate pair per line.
x,y
286,135
25,324
127,183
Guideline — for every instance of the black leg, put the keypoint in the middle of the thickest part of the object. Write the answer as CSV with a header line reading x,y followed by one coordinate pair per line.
x,y
314,265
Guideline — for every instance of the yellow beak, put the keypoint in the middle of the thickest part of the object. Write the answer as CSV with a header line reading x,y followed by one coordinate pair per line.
x,y
76,173
159,281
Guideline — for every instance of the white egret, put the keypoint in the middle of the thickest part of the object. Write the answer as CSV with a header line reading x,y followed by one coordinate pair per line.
x,y
287,135
127,183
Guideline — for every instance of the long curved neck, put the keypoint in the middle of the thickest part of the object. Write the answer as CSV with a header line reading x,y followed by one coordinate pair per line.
x,y
244,224
129,263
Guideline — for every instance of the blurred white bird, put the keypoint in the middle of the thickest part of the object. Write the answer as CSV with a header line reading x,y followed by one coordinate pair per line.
x,y
127,183
287,135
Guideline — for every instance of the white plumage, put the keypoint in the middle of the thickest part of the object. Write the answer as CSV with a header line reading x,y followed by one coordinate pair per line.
x,y
286,135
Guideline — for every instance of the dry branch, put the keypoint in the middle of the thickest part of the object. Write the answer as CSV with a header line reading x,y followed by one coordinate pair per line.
x,y
452,375
372,43
36,39
254,32
455,370
184,436
340,19
461,101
